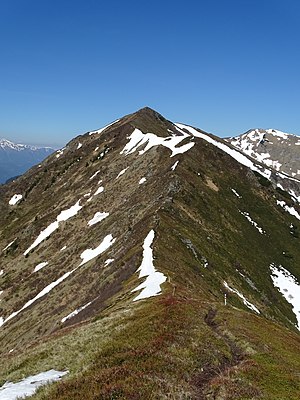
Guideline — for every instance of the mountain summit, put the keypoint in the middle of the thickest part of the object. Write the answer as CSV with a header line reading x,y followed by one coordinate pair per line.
x,y
150,259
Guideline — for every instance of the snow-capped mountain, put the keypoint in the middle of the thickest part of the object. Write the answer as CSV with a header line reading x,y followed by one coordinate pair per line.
x,y
274,148
15,159
150,259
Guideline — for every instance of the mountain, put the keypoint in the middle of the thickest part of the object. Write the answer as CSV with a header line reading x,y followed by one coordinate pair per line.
x,y
15,159
150,259
274,148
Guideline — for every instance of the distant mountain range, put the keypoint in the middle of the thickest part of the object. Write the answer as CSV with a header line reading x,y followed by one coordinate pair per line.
x,y
152,260
15,159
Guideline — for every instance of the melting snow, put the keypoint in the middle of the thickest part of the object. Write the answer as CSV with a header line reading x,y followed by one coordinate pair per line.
x,y
63,216
28,386
174,165
151,286
236,193
1,272
63,248
241,158
59,152
46,290
148,140
15,199
75,312
288,287
245,301
5,248
102,129
95,174
99,216
99,190
247,216
143,180
86,256
290,210
89,254
40,266
121,173
108,261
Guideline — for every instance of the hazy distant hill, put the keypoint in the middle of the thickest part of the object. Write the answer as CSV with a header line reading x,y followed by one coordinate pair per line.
x,y
15,159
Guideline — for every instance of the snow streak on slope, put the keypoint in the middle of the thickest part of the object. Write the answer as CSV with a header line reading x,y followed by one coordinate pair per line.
x,y
28,386
45,291
99,216
245,301
86,256
121,172
102,129
247,216
40,266
75,312
288,209
63,216
151,286
148,140
9,244
288,287
241,158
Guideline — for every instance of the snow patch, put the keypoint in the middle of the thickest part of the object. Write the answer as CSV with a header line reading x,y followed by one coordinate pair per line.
x,y
45,291
108,261
99,190
241,296
102,129
149,140
28,386
79,145
121,172
236,193
9,244
174,165
95,174
89,254
15,199
40,266
99,216
143,180
288,209
288,286
75,312
151,286
247,216
60,152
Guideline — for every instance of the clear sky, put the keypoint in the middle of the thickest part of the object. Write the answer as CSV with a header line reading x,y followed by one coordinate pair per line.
x,y
69,66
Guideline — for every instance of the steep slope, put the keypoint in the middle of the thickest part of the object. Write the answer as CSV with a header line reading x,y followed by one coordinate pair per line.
x,y
143,258
15,159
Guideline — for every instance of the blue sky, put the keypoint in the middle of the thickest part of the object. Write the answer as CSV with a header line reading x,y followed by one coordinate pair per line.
x,y
70,66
